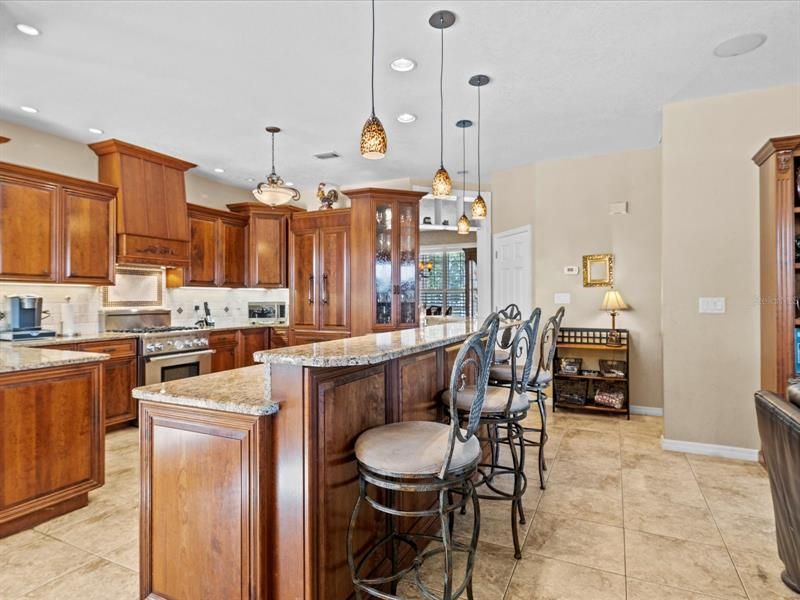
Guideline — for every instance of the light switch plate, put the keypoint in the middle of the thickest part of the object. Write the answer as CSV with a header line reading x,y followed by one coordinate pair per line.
x,y
571,270
562,298
618,208
714,306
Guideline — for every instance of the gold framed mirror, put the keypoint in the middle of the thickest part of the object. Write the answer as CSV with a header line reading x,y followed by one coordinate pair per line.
x,y
598,270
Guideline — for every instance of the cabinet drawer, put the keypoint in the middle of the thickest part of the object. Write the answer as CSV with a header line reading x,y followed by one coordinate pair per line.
x,y
218,338
116,348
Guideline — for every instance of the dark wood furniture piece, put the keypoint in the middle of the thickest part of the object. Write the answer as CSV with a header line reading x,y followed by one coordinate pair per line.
x,y
267,249
319,278
219,248
55,229
274,493
235,347
152,222
384,257
589,344
279,337
251,341
52,442
779,179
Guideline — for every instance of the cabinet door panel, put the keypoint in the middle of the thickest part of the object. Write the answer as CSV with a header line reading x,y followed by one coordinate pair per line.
x,y
28,230
252,340
119,378
383,284
334,284
202,269
304,288
406,261
278,338
224,358
155,200
88,255
269,251
173,208
234,244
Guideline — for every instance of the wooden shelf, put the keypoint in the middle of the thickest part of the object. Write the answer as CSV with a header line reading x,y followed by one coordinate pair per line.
x,y
594,346
591,377
593,406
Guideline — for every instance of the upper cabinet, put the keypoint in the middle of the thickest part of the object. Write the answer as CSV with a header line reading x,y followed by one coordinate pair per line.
x,y
218,255
384,258
55,229
267,255
152,221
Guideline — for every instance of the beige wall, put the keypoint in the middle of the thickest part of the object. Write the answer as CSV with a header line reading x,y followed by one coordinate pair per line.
x,y
566,203
40,150
710,248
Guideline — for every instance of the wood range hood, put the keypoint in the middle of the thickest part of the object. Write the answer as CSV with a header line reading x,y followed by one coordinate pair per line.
x,y
152,218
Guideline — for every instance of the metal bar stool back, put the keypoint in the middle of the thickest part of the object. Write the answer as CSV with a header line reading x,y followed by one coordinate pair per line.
x,y
504,339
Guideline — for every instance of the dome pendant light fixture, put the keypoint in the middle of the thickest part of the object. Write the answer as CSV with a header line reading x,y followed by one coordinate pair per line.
x,y
273,191
442,184
479,204
373,136
462,227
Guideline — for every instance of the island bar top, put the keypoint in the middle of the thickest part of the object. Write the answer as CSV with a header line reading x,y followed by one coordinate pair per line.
x,y
372,348
14,358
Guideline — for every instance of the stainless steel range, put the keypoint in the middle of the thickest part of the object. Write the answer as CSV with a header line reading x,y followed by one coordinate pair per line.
x,y
166,352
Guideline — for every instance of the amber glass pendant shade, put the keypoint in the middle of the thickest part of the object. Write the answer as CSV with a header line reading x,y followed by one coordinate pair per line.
x,y
442,184
462,226
373,139
479,208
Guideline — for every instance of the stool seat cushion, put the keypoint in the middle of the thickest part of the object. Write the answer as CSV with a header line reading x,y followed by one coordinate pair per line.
x,y
413,449
503,373
494,403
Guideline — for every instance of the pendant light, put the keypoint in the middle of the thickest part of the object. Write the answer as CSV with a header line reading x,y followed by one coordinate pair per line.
x,y
273,191
479,205
442,184
373,136
462,227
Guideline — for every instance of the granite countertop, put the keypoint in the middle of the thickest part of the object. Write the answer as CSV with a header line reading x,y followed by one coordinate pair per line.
x,y
13,359
241,391
247,325
73,339
372,348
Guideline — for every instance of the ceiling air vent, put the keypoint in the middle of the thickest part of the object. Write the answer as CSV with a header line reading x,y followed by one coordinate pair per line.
x,y
327,155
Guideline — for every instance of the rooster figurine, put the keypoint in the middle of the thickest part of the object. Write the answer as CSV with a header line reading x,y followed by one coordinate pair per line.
x,y
327,199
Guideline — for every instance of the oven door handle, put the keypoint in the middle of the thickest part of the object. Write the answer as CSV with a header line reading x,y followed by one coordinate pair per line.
x,y
174,356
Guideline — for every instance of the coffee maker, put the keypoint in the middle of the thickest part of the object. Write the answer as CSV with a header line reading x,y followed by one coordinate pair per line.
x,y
23,318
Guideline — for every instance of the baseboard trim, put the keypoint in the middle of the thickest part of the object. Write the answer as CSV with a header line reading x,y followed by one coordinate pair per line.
x,y
650,411
734,452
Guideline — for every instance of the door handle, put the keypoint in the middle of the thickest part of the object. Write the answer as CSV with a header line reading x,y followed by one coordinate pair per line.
x,y
311,289
325,288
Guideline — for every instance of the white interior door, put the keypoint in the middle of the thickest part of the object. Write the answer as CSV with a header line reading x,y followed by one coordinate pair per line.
x,y
513,269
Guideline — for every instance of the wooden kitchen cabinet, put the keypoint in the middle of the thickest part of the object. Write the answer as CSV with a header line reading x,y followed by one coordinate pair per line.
x,y
226,345
218,250
320,274
267,247
279,338
250,341
384,259
119,378
152,221
55,229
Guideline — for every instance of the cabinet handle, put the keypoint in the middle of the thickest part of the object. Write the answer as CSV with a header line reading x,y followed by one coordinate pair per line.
x,y
311,289
325,288
397,290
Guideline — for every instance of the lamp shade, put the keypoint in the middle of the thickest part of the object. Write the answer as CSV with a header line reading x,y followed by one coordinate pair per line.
x,y
613,301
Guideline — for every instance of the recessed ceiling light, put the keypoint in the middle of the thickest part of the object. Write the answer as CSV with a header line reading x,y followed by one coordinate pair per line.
x,y
250,179
29,109
95,130
403,64
406,118
218,170
289,183
741,44
27,29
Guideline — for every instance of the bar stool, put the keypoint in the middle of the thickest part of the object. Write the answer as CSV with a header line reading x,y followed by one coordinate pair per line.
x,y
509,313
420,457
501,375
503,410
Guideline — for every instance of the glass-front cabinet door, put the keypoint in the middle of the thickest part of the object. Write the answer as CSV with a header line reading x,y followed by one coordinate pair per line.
x,y
407,264
384,281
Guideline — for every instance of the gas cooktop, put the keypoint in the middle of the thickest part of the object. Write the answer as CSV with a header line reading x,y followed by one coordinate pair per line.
x,y
159,329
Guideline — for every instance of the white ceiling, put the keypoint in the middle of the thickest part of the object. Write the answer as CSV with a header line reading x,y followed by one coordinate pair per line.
x,y
200,80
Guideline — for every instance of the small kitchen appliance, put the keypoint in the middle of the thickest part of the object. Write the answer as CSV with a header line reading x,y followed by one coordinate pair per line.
x,y
268,313
23,318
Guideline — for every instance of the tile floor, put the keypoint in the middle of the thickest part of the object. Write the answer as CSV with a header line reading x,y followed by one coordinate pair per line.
x,y
621,519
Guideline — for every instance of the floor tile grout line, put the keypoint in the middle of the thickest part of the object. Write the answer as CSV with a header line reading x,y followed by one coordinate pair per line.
x,y
622,504
725,544
675,587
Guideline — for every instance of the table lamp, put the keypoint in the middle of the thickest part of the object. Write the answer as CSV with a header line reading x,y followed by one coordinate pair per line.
x,y
612,302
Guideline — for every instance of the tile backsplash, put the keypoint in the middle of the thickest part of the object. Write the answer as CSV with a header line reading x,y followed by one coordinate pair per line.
x,y
88,303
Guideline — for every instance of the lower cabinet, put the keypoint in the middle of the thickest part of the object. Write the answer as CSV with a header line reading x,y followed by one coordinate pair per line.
x,y
250,341
278,338
225,344
300,337
119,378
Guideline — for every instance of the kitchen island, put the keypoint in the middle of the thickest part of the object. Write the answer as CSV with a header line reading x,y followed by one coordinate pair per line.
x,y
51,433
249,476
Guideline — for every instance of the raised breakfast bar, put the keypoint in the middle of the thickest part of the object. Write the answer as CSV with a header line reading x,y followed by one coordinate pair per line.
x,y
249,476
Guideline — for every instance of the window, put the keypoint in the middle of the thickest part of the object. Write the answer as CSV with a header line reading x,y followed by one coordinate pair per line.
x,y
449,284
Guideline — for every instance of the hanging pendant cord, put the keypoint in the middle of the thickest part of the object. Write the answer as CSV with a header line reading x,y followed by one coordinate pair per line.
x,y
273,153
463,167
372,75
479,140
441,99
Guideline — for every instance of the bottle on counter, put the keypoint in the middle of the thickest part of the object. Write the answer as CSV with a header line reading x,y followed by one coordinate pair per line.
x,y
423,315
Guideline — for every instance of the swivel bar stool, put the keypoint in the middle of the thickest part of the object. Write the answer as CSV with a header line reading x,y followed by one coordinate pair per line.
x,y
503,410
418,457
504,338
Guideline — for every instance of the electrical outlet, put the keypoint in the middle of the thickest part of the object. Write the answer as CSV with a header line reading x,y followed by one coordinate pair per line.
x,y
714,306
